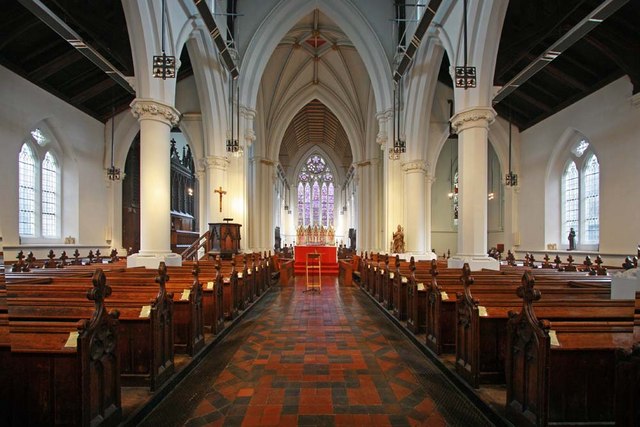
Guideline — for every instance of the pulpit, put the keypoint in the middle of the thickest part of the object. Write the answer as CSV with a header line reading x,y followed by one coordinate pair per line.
x,y
224,239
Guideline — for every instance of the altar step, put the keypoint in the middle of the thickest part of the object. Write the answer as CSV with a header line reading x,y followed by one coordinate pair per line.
x,y
330,269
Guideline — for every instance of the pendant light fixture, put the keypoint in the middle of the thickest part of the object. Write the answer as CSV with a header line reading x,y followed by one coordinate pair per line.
x,y
399,144
465,75
164,67
511,179
113,173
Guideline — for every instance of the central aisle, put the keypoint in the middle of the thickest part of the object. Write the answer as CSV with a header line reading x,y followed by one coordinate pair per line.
x,y
315,359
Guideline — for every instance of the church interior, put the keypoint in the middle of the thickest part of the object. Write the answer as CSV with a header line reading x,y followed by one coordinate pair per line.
x,y
320,212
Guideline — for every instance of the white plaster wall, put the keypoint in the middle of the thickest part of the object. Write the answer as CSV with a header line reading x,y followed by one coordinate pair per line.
x,y
612,125
82,142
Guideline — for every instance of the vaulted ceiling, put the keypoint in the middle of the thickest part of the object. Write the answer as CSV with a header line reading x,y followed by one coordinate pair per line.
x,y
315,124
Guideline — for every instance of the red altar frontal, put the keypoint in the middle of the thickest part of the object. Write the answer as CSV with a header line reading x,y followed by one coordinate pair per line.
x,y
328,258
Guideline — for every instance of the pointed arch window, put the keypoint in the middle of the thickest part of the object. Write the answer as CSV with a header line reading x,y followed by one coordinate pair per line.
x,y
592,200
49,196
27,192
317,180
581,195
39,177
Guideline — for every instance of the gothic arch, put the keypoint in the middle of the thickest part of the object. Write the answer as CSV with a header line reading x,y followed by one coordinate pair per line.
x,y
285,15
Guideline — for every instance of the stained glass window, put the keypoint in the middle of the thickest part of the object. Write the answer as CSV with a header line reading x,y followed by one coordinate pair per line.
x,y
26,192
592,200
307,204
300,203
49,196
318,201
330,204
571,202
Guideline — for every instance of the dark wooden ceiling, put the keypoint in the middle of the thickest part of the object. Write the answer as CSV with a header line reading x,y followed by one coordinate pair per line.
x,y
608,52
29,48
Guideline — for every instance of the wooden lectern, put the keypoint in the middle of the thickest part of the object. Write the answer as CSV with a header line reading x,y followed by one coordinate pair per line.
x,y
314,262
224,239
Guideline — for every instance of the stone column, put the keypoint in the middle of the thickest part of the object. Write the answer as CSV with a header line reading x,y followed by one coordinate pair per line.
x,y
472,127
415,206
429,180
261,208
156,120
368,193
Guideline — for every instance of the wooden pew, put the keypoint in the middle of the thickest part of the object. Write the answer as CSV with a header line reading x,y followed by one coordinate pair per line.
x,y
78,384
570,380
145,337
442,290
481,325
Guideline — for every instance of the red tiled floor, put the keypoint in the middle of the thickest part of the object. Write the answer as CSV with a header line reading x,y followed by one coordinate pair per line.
x,y
311,359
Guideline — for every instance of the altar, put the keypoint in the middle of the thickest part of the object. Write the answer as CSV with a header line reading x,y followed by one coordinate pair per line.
x,y
328,259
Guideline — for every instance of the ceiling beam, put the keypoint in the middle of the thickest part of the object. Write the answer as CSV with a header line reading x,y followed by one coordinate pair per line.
x,y
592,20
50,68
56,24
416,39
218,40
92,91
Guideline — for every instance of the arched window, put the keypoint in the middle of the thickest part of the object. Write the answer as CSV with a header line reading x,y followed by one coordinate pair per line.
x,y
581,195
49,196
27,192
38,188
317,206
592,200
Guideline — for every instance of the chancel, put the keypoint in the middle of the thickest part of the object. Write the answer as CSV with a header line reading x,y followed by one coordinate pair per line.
x,y
230,155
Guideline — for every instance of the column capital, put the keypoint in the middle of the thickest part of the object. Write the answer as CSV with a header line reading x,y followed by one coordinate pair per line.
x,y
415,166
383,118
150,109
262,161
473,118
216,162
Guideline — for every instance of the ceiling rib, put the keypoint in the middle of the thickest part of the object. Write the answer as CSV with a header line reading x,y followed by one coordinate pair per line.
x,y
56,24
583,27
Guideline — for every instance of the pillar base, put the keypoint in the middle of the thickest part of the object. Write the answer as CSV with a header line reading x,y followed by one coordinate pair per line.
x,y
153,260
428,256
476,263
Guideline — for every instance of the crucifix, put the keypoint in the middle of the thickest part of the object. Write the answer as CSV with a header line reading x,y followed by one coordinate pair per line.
x,y
221,192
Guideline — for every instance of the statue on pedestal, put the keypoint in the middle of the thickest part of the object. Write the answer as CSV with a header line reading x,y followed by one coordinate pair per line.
x,y
398,241
572,240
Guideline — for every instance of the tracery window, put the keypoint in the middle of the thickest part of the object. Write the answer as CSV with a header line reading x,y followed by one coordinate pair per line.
x,y
315,193
26,192
38,188
581,195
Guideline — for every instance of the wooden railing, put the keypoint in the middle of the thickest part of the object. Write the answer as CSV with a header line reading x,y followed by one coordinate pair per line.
x,y
202,242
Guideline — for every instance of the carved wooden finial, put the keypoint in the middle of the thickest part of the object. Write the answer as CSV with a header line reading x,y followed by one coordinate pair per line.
x,y
511,259
412,264
20,256
51,255
557,261
91,256
76,257
30,259
546,258
100,289
466,273
161,279
532,260
526,291
587,261
217,266
570,259
98,257
397,261
195,272
434,268
114,255
627,264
